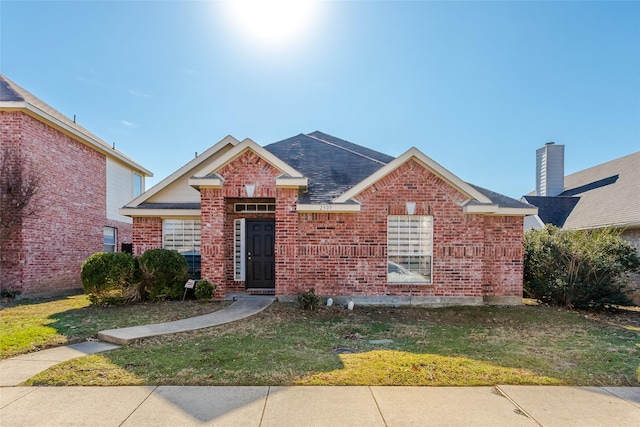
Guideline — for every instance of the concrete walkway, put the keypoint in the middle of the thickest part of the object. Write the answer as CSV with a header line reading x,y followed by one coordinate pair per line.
x,y
264,406
243,307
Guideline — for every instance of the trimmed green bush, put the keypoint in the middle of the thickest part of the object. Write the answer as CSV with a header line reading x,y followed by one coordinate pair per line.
x,y
163,274
578,268
204,290
106,277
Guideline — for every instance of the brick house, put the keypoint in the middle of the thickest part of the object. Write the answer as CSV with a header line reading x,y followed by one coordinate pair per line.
x,y
84,183
317,211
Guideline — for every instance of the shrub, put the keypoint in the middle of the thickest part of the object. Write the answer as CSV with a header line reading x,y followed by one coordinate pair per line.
x,y
308,300
163,274
578,268
106,277
204,290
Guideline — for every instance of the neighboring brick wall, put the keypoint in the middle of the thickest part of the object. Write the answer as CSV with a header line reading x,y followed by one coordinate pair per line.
x,y
73,193
632,235
124,233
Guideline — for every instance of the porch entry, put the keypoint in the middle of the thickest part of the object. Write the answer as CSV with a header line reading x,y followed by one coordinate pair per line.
x,y
260,253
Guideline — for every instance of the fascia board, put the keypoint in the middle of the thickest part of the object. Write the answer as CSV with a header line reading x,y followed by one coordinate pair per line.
x,y
77,134
206,182
162,213
414,153
227,140
328,208
238,150
493,209
292,182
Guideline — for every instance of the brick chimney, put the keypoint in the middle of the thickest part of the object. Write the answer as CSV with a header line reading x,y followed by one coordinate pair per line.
x,y
550,170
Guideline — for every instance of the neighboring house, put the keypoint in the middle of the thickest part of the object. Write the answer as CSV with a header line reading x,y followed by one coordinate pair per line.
x,y
315,211
84,183
604,195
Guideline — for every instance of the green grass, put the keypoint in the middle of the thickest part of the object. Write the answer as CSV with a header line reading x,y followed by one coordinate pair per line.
x,y
285,346
32,325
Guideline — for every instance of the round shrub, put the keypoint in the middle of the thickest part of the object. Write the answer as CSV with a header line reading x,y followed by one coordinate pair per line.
x,y
164,273
204,290
106,276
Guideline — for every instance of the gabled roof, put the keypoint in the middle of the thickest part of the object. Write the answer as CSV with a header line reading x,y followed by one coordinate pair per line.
x,y
14,97
604,195
329,171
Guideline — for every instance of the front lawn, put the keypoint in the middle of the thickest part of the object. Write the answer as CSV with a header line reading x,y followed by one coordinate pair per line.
x,y
285,346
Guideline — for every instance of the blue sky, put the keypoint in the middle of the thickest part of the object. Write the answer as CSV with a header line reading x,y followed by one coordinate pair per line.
x,y
477,86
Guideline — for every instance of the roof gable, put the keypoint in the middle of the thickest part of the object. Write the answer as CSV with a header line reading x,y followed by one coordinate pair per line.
x,y
179,180
415,154
14,97
213,166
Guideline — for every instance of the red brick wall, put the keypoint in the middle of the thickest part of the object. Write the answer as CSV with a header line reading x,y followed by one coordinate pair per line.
x,y
69,228
504,255
346,254
147,234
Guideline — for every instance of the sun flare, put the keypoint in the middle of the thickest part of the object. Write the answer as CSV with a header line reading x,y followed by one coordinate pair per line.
x,y
273,21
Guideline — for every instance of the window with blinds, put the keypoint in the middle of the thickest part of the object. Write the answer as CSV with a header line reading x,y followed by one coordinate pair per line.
x,y
409,249
182,235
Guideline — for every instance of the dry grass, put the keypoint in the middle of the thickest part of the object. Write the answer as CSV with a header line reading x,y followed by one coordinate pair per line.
x,y
450,346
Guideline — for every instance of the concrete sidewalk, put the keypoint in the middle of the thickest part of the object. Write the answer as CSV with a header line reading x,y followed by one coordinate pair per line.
x,y
320,406
20,368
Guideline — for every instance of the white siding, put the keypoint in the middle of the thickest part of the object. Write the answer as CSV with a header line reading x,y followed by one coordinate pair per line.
x,y
119,189
177,191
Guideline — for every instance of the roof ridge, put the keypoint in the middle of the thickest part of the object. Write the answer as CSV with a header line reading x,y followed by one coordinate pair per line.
x,y
346,149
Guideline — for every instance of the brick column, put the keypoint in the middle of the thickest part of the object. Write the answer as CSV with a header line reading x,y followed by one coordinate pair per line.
x,y
287,245
212,238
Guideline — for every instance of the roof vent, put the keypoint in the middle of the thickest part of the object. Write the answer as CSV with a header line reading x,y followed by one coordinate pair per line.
x,y
550,170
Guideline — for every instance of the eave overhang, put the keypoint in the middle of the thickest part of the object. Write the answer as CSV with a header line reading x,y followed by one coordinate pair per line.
x,y
493,209
74,132
162,213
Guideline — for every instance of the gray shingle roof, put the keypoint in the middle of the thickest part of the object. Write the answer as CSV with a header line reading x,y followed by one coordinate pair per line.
x,y
607,195
500,199
553,210
334,165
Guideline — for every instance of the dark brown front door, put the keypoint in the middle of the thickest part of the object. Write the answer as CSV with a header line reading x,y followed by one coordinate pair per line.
x,y
261,269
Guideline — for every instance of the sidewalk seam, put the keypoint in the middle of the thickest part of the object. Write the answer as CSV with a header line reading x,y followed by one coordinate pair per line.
x,y
518,407
264,407
153,390
377,406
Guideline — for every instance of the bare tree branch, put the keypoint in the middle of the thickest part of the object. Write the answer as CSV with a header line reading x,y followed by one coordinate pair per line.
x,y
20,185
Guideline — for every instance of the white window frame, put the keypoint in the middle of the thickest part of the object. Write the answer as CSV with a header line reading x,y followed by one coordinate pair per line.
x,y
137,176
112,246
411,240
239,250
180,241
